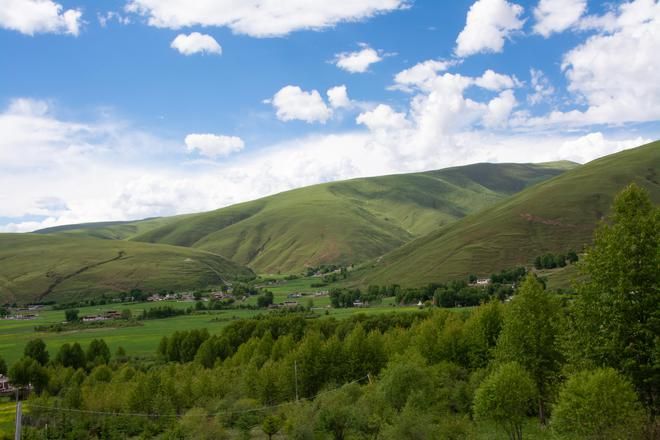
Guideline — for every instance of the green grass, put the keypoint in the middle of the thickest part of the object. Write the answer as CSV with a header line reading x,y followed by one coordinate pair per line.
x,y
560,278
7,417
138,341
62,268
347,222
283,288
554,216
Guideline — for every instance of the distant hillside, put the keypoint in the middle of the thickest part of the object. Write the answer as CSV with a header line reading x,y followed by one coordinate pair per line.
x,y
553,216
54,268
117,230
350,221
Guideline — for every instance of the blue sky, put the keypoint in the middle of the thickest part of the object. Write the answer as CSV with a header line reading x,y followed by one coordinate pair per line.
x,y
125,109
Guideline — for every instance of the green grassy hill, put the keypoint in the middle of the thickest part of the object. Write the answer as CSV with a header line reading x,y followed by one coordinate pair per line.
x,y
350,221
553,216
118,230
64,268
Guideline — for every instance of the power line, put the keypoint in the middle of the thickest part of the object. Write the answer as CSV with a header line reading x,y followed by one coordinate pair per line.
x,y
124,414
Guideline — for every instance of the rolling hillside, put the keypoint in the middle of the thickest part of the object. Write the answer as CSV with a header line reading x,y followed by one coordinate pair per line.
x,y
54,268
117,230
350,221
553,216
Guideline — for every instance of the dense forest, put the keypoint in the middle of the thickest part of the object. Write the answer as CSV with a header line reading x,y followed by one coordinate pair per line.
x,y
540,365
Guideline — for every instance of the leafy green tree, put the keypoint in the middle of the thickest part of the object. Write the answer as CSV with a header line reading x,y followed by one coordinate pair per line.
x,y
300,421
481,331
309,358
412,423
616,315
28,371
196,424
336,414
505,397
71,315
36,349
405,374
271,425
3,366
599,405
98,352
126,314
531,336
120,354
265,300
364,353
71,356
572,257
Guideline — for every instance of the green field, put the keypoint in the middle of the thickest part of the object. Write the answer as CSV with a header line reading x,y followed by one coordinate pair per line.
x,y
7,417
140,340
37,267
554,216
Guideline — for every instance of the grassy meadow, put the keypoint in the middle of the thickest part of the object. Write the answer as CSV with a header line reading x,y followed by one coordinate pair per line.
x,y
143,340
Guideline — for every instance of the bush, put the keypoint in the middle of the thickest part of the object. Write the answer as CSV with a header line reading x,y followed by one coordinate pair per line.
x,y
505,397
598,404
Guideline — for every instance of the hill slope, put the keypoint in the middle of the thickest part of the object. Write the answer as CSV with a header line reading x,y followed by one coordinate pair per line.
x,y
52,268
350,221
112,230
553,216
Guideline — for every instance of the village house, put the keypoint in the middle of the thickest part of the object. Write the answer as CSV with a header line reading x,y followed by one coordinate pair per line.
x,y
482,281
93,318
6,388
220,295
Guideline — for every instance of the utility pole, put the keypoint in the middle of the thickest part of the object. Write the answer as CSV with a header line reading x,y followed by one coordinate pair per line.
x,y
19,413
295,369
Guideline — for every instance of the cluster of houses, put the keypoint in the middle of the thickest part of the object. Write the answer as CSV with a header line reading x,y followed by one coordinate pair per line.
x,y
105,316
22,316
481,282
29,312
285,305
172,297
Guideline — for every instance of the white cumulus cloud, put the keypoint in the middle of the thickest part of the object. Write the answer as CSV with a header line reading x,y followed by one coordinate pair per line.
x,y
39,16
358,61
213,145
592,145
338,97
494,81
614,71
196,43
489,23
438,130
420,74
541,87
383,117
260,18
557,15
293,103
